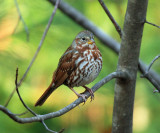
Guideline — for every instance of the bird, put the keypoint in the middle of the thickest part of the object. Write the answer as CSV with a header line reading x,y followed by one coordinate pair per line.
x,y
80,64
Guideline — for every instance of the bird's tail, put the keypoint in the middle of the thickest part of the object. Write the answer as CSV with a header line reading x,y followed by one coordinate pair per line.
x,y
45,95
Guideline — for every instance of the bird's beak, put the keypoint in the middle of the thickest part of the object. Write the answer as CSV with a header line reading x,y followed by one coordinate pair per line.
x,y
90,41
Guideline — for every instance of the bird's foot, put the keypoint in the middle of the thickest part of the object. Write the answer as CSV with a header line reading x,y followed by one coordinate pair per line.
x,y
83,97
80,95
92,94
90,91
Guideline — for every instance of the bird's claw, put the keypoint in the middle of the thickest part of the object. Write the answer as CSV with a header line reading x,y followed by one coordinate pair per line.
x,y
91,93
92,96
83,97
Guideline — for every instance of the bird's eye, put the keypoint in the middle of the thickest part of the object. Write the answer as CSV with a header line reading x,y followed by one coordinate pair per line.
x,y
83,39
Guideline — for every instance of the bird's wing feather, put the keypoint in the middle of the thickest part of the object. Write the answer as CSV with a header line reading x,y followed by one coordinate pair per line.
x,y
65,67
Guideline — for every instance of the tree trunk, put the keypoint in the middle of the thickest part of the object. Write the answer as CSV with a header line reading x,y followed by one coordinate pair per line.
x,y
128,61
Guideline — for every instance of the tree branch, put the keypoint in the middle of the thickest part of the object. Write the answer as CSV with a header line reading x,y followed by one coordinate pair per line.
x,y
21,18
152,76
32,112
20,96
37,51
111,17
39,118
152,24
22,113
80,19
146,75
158,56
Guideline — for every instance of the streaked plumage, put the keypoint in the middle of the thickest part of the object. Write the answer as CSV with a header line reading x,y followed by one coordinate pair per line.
x,y
78,66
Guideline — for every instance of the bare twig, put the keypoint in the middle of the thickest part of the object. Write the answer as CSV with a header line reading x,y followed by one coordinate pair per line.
x,y
37,51
22,113
152,24
31,111
39,118
151,76
108,41
20,96
50,129
147,71
111,17
146,75
21,18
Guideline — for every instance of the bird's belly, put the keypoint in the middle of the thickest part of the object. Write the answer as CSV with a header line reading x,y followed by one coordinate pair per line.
x,y
85,74
89,77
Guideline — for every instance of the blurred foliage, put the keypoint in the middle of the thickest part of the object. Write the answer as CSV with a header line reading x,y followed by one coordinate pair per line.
x,y
94,117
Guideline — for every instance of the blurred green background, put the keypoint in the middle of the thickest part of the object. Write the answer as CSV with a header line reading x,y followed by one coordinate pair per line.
x,y
94,117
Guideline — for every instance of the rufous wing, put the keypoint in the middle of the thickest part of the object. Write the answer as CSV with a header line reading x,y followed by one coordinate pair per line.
x,y
65,67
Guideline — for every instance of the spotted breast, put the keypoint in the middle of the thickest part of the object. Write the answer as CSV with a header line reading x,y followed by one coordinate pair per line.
x,y
79,65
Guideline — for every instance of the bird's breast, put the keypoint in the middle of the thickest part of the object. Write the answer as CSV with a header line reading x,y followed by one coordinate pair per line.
x,y
87,68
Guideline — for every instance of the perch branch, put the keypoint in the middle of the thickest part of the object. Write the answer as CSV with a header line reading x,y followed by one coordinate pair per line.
x,y
108,41
111,17
21,18
39,118
37,51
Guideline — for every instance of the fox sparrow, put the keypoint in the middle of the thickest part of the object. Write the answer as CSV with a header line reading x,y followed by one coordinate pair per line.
x,y
78,66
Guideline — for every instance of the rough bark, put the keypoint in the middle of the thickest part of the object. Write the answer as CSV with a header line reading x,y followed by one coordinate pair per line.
x,y
128,61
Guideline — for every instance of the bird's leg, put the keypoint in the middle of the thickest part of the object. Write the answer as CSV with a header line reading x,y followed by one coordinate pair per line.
x,y
90,91
79,95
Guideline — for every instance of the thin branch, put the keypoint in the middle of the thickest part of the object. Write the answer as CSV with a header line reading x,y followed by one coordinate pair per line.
x,y
146,75
158,56
151,76
149,67
31,111
50,129
152,24
111,17
108,41
20,96
22,113
37,51
39,118
21,18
